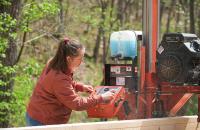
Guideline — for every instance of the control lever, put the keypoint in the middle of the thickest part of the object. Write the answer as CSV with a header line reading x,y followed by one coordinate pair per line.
x,y
126,108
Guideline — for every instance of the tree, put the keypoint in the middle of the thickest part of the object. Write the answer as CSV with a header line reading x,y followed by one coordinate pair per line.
x,y
171,8
10,26
61,30
9,14
101,31
184,5
198,17
192,20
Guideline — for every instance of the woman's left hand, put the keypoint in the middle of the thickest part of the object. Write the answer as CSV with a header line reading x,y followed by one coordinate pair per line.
x,y
88,88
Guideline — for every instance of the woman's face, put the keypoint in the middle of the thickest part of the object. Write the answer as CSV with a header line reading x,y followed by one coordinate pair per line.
x,y
74,62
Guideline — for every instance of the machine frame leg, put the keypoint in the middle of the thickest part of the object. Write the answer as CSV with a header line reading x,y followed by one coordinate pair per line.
x,y
198,119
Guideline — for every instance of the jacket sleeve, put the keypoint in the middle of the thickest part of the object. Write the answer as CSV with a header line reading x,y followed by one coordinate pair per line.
x,y
66,94
78,86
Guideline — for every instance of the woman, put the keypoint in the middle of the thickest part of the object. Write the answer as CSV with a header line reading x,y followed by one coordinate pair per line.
x,y
55,94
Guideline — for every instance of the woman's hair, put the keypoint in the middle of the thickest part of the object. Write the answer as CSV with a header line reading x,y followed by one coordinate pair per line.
x,y
66,48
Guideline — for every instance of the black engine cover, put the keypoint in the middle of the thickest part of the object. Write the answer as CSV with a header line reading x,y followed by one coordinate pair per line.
x,y
178,58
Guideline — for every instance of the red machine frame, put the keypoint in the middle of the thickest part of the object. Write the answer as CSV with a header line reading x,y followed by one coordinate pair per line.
x,y
150,90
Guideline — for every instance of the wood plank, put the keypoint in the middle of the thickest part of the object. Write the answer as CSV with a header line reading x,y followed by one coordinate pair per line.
x,y
170,123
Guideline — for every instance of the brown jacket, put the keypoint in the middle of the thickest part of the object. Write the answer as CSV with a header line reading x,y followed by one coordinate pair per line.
x,y
55,97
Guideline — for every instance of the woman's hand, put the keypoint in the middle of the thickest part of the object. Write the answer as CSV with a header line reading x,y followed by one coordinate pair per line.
x,y
88,88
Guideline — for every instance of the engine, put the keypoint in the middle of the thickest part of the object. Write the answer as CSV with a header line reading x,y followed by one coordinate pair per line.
x,y
178,59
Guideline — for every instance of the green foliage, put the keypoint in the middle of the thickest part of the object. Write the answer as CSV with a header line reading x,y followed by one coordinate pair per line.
x,y
12,106
35,11
7,24
5,2
191,106
32,67
26,77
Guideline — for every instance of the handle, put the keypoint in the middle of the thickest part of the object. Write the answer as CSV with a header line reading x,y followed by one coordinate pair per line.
x,y
118,101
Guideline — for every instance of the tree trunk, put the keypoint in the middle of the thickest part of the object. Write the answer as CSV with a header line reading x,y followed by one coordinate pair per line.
x,y
101,31
169,15
61,29
137,9
185,25
161,10
10,60
192,21
184,4
104,47
177,19
199,23
126,11
96,48
120,12
111,25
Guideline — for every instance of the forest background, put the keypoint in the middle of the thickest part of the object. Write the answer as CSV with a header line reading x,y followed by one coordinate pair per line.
x,y
29,33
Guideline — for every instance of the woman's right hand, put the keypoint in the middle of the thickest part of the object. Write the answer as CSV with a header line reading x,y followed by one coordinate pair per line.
x,y
108,96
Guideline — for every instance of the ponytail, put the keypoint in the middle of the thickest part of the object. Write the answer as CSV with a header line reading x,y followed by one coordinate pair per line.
x,y
66,48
